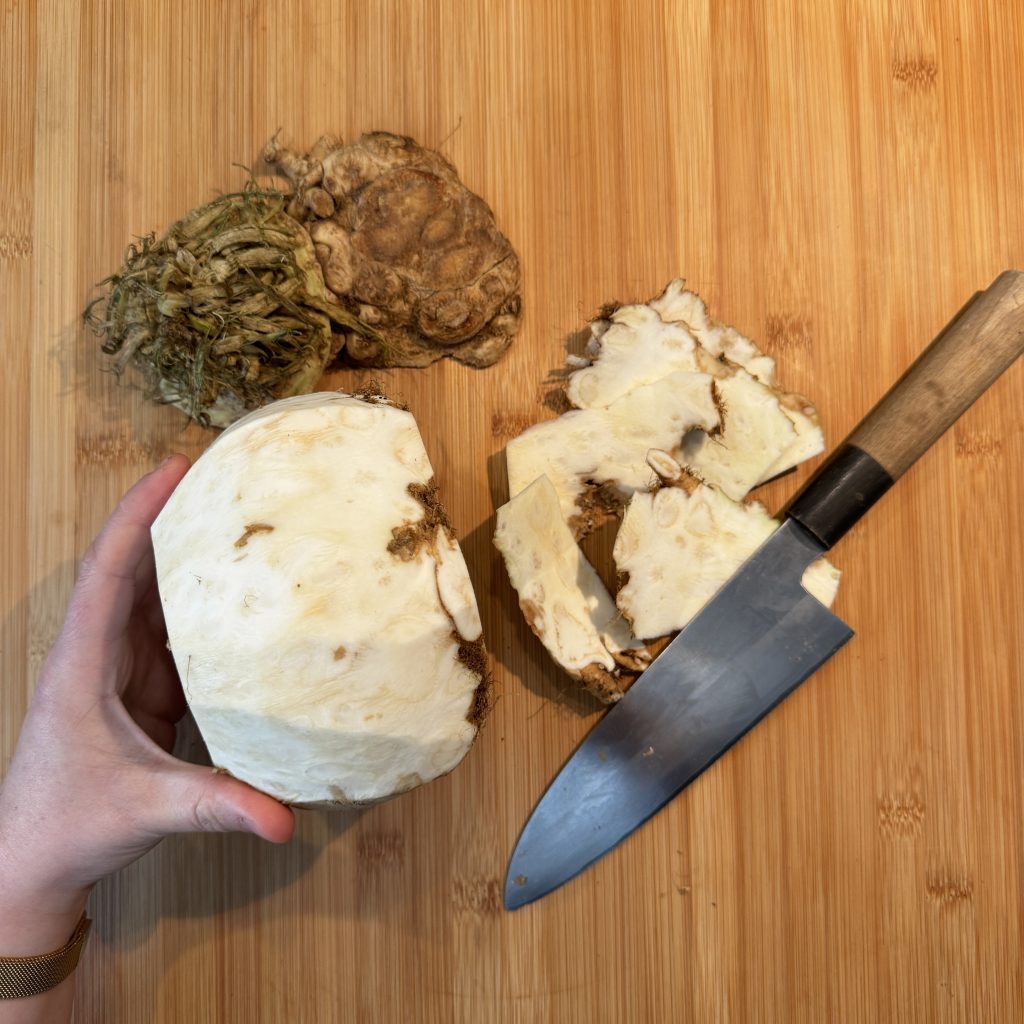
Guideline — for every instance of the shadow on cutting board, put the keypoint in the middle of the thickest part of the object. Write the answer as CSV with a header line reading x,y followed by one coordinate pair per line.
x,y
205,875
29,629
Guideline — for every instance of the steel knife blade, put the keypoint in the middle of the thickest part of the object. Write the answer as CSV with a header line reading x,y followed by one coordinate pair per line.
x,y
762,634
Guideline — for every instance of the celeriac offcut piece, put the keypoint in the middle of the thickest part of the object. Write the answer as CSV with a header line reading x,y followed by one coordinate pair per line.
x,y
663,395
585,447
684,308
643,363
809,440
630,350
756,434
677,305
679,544
225,312
562,597
318,606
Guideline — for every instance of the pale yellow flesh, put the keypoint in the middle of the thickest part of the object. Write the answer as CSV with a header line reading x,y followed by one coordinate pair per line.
x,y
663,393
565,602
678,548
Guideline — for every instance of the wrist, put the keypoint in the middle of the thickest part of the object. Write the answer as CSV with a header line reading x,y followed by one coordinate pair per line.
x,y
26,930
33,922
37,914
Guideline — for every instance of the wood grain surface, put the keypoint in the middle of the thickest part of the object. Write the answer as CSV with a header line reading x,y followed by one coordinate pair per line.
x,y
836,179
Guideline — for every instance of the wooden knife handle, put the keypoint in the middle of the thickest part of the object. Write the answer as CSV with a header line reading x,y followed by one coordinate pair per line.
x,y
981,341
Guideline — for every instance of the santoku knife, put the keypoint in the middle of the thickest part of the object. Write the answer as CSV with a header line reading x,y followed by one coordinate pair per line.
x,y
762,634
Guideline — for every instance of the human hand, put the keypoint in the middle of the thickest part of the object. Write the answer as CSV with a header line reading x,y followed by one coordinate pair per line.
x,y
93,785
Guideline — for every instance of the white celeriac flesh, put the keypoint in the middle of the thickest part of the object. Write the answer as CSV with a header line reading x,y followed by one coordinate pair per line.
x,y
319,611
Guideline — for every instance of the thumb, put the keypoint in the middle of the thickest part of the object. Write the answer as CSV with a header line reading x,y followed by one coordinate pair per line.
x,y
206,800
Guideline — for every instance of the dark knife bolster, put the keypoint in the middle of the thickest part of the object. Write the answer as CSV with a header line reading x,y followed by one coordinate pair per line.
x,y
848,483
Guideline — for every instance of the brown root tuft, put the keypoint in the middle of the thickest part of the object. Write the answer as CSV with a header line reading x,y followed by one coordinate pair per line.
x,y
224,313
596,505
408,539
473,655
600,683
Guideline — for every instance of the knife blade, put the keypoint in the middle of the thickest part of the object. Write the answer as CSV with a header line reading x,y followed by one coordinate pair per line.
x,y
762,634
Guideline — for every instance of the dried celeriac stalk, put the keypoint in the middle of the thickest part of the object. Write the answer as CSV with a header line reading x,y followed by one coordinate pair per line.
x,y
226,311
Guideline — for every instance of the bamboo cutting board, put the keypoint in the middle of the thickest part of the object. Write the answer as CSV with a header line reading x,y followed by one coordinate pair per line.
x,y
836,179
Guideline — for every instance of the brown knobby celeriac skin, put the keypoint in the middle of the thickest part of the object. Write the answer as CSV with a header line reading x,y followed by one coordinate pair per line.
x,y
407,248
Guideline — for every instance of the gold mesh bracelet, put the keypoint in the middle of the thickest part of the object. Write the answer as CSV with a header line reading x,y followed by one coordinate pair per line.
x,y
23,976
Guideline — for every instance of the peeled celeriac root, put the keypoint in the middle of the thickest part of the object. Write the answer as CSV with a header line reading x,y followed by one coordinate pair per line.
x,y
679,544
562,597
318,606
